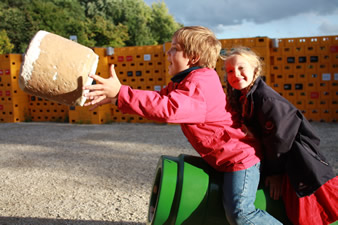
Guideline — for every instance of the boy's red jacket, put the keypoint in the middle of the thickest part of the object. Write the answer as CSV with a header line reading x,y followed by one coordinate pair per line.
x,y
197,103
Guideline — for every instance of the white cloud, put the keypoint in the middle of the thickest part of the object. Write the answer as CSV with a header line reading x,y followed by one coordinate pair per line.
x,y
247,18
229,12
303,25
328,27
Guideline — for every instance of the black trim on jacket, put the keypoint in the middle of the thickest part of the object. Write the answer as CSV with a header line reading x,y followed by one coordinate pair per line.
x,y
181,75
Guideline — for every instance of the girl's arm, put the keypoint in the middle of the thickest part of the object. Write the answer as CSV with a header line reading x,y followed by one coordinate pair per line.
x,y
280,124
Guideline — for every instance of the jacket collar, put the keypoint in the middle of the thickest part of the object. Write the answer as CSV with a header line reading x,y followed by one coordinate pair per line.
x,y
181,75
257,82
248,104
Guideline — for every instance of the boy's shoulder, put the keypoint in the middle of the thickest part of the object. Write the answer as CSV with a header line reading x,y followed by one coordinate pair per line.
x,y
204,78
205,71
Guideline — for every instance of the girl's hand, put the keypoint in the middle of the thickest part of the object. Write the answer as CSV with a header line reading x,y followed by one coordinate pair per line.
x,y
275,183
104,92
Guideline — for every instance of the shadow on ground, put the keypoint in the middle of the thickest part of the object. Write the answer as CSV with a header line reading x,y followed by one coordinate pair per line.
x,y
44,221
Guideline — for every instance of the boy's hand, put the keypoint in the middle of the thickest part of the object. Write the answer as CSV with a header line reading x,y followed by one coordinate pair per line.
x,y
275,183
104,91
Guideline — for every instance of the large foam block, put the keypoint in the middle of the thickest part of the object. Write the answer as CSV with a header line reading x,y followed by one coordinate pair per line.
x,y
56,68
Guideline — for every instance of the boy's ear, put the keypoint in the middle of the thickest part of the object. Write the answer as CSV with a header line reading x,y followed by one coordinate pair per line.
x,y
195,59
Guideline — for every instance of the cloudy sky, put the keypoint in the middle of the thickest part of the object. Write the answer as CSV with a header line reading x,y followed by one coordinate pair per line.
x,y
252,18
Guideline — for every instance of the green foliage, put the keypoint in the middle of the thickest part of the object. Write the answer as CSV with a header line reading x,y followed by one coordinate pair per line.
x,y
162,24
100,23
135,14
5,44
19,30
106,33
146,25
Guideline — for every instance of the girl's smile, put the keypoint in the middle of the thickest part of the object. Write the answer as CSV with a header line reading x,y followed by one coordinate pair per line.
x,y
240,73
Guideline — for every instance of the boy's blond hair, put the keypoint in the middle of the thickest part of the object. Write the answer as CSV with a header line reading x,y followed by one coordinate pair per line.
x,y
198,41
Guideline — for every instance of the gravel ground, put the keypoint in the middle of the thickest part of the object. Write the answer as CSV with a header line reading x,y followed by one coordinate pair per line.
x,y
55,173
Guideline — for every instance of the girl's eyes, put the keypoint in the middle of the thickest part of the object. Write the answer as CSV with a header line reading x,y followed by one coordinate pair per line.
x,y
241,68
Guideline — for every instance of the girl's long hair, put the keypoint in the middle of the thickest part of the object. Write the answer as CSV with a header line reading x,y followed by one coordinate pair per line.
x,y
236,99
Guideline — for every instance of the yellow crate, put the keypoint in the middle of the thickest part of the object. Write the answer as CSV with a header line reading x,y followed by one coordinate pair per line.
x,y
313,41
325,40
313,115
262,42
299,50
10,112
249,42
101,52
334,115
300,104
226,43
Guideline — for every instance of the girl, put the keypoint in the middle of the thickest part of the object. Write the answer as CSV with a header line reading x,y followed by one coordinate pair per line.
x,y
195,99
293,164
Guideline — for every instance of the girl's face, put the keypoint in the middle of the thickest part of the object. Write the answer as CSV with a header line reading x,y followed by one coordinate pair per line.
x,y
178,61
239,71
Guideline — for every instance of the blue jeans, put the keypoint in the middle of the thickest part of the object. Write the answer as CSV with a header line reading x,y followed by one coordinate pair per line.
x,y
239,194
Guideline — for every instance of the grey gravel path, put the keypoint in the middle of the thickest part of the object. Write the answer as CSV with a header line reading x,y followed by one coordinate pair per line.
x,y
55,173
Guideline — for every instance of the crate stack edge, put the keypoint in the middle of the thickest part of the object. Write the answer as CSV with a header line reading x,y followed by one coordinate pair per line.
x,y
303,70
140,67
14,102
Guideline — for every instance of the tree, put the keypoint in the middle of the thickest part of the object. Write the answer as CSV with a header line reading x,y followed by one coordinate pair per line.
x,y
114,23
62,17
162,24
135,14
146,25
5,44
18,27
105,33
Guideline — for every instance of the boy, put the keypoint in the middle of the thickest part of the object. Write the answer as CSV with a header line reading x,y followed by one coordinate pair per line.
x,y
195,99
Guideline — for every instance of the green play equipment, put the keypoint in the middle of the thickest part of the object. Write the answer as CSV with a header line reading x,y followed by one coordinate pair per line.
x,y
186,190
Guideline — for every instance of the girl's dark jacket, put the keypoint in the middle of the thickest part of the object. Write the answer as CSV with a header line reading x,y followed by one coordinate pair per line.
x,y
289,142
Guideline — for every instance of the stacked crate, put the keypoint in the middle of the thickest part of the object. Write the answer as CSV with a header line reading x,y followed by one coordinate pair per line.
x,y
333,87
304,70
167,77
260,45
83,115
141,68
43,110
14,102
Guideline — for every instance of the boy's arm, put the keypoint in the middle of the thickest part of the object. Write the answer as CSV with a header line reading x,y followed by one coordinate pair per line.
x,y
183,105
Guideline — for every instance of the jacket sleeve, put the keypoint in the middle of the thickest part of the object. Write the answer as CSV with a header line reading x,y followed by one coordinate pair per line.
x,y
185,104
280,124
